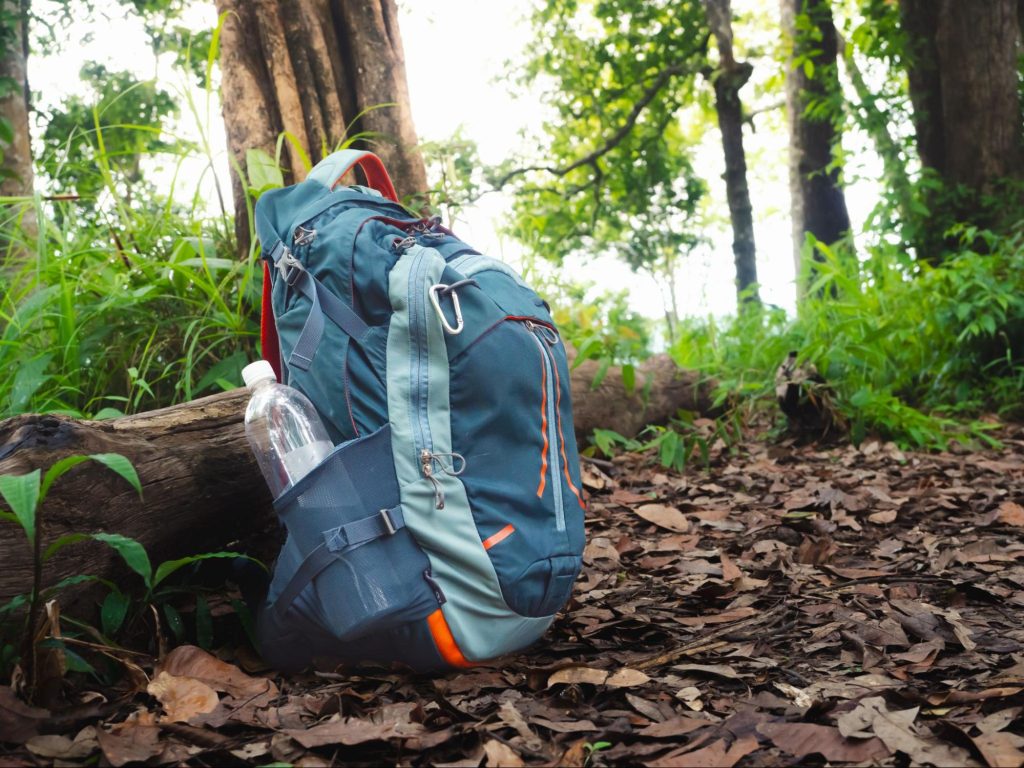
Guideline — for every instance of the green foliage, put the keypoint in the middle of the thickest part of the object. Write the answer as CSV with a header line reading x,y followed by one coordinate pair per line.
x,y
23,495
113,132
913,354
616,176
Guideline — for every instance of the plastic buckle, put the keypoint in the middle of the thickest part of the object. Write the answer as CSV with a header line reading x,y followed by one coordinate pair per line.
x,y
291,269
389,526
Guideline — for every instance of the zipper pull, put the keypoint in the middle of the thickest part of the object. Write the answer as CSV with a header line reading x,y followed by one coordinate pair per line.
x,y
435,587
303,236
427,467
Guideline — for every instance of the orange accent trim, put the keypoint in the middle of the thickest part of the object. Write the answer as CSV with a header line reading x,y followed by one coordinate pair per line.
x,y
543,428
444,641
561,438
500,536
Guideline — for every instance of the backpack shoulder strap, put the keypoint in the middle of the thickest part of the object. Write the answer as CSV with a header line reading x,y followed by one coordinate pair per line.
x,y
332,168
328,172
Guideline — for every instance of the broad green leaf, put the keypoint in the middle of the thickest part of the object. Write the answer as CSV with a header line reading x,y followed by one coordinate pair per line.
x,y
28,378
21,492
58,469
131,552
629,377
112,612
63,541
165,569
263,172
122,466
174,622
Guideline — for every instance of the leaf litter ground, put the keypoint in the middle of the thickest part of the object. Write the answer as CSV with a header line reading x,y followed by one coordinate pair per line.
x,y
788,606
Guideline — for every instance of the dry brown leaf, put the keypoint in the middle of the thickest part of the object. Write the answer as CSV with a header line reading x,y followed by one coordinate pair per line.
x,y
18,721
190,661
626,678
730,571
182,697
999,720
884,517
576,675
622,678
716,754
1011,513
718,670
671,729
802,739
129,742
564,726
664,517
60,748
716,618
1001,749
351,731
501,755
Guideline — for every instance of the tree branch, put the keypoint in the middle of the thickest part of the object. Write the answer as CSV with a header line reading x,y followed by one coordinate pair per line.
x,y
616,138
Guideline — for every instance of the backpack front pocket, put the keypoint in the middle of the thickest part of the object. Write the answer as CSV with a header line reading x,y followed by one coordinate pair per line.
x,y
516,438
360,570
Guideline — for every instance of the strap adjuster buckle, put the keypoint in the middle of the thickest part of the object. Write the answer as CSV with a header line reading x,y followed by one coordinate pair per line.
x,y
291,269
389,525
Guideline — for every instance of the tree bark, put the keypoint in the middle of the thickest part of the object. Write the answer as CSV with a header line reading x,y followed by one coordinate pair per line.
x,y
963,83
18,180
818,201
728,78
321,73
202,488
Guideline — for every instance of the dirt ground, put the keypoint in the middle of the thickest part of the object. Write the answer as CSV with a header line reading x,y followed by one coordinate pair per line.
x,y
786,606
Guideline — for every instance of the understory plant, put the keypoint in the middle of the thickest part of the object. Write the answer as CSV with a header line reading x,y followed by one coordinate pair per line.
x,y
916,353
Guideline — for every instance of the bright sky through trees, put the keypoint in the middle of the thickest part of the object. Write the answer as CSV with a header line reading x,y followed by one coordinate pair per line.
x,y
456,55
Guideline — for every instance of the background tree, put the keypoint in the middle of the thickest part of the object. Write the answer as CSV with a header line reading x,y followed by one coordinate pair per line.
x,y
964,83
318,72
727,79
814,111
16,173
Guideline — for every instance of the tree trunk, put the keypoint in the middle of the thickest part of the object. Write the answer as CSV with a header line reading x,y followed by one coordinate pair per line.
x,y
977,46
18,176
202,488
728,79
818,200
320,73
963,83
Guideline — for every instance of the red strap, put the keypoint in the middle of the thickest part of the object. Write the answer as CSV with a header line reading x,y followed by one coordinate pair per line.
x,y
268,331
376,176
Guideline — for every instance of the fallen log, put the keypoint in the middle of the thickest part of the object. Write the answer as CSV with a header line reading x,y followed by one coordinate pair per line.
x,y
202,488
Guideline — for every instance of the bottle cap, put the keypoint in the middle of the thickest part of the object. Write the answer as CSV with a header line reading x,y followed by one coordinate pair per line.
x,y
257,371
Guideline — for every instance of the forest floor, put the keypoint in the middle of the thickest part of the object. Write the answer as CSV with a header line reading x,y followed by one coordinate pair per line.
x,y
787,606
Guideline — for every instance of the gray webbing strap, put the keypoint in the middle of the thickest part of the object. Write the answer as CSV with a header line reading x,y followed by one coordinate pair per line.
x,y
336,541
384,523
324,302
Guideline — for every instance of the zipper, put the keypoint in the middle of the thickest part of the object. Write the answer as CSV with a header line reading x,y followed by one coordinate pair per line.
x,y
420,375
544,338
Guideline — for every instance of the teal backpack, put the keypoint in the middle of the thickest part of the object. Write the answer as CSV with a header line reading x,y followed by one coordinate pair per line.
x,y
446,527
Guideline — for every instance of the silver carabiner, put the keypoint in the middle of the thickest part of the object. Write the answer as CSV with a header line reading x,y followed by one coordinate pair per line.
x,y
435,290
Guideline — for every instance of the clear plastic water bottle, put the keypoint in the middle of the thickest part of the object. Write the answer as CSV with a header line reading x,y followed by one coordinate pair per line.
x,y
283,428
